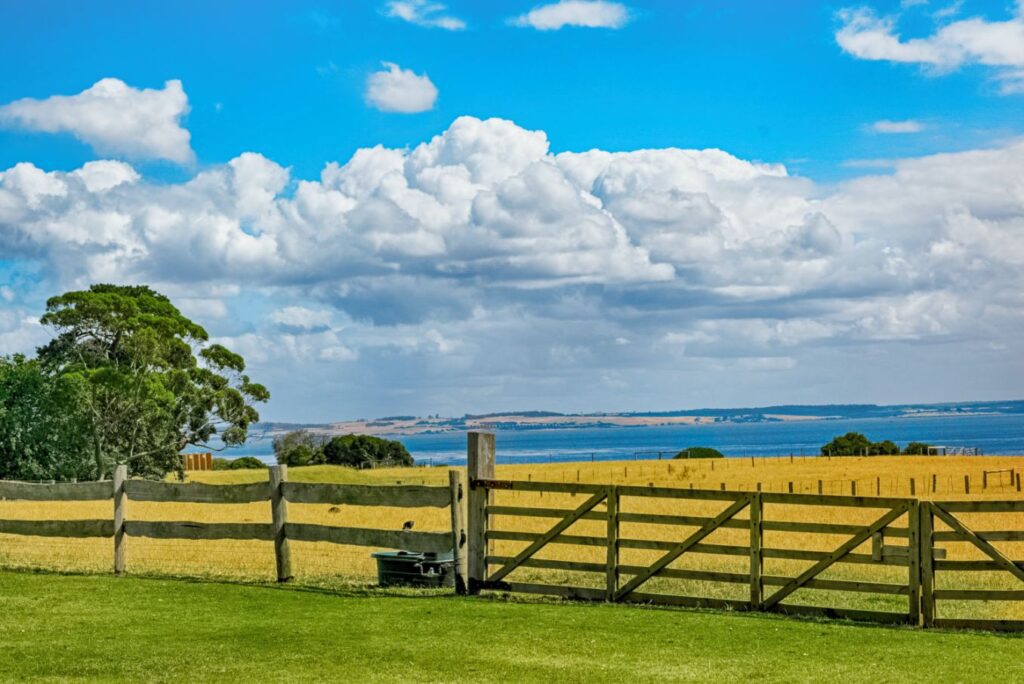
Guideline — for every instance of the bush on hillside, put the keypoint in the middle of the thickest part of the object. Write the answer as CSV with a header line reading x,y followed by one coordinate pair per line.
x,y
246,463
700,452
856,444
850,444
362,451
885,448
221,463
299,448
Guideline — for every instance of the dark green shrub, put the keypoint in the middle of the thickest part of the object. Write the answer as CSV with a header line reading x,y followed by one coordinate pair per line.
x,y
884,448
917,449
246,463
221,463
299,448
362,451
856,444
699,452
850,444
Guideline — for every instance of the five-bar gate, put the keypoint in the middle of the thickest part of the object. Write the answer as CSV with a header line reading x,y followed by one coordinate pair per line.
x,y
735,550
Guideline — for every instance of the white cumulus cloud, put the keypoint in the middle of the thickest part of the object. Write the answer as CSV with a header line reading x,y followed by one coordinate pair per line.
x,y
424,13
300,318
998,44
907,126
395,89
581,13
113,118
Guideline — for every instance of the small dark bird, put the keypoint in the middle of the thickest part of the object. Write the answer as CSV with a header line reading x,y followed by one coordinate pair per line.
x,y
407,525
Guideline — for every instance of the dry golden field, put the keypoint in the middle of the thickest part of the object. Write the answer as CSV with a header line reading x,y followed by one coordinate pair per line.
x,y
321,562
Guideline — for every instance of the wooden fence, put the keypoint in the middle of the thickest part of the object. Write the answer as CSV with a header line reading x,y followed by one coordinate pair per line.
x,y
901,533
906,543
278,491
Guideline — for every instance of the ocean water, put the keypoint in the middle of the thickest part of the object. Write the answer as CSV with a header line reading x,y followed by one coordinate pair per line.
x,y
993,434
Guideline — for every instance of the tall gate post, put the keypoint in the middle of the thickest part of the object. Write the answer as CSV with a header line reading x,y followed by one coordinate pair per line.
x,y
479,466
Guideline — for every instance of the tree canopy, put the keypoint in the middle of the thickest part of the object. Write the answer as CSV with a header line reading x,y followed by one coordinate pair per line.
x,y
301,447
43,425
699,452
138,382
856,444
361,451
850,444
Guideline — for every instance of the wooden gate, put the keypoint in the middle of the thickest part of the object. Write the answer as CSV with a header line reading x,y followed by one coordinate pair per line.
x,y
626,582
934,565
802,554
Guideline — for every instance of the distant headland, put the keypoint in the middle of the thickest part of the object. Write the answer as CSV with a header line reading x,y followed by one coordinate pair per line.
x,y
552,420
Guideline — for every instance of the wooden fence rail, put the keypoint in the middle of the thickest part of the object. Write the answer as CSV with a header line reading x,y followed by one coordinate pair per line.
x,y
901,535
277,490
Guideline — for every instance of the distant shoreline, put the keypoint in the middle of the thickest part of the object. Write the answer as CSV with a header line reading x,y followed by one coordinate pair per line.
x,y
404,426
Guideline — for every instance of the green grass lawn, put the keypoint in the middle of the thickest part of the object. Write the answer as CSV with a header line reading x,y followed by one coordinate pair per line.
x,y
95,627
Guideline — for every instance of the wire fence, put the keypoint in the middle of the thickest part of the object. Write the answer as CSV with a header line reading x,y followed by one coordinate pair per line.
x,y
769,474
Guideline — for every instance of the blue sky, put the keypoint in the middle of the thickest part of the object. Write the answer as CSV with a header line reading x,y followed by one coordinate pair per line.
x,y
763,80
865,213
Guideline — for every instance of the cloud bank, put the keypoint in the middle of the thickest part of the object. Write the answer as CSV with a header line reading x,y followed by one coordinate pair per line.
x,y
478,269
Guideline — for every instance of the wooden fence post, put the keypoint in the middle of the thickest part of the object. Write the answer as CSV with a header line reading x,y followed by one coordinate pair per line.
x,y
279,511
458,531
612,561
479,466
120,475
756,556
914,569
926,544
